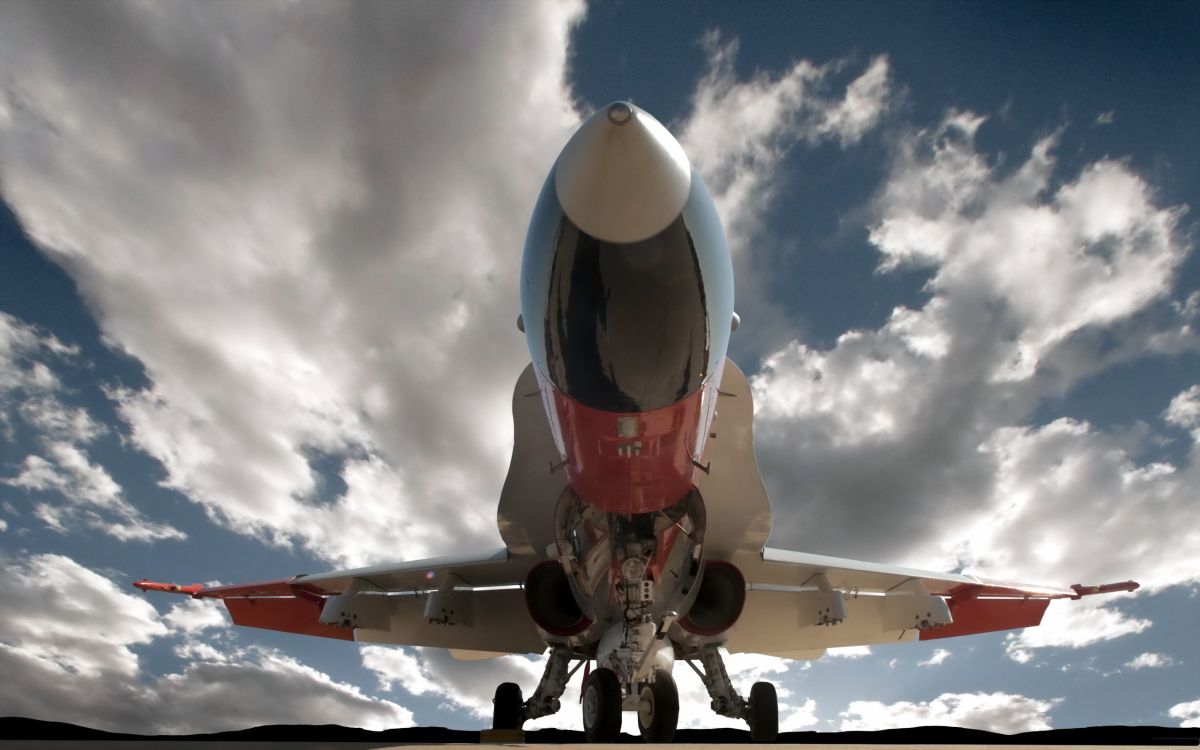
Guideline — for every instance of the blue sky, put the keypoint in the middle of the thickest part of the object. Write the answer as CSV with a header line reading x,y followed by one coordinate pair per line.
x,y
258,284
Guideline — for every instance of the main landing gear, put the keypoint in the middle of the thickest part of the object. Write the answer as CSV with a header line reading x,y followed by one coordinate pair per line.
x,y
761,712
603,699
509,711
656,699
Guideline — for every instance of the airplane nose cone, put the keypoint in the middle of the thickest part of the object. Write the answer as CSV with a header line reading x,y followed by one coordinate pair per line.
x,y
622,177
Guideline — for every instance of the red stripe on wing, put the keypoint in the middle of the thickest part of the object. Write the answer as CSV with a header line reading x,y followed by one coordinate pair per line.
x,y
287,615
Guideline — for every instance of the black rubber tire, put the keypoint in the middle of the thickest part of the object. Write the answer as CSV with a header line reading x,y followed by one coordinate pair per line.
x,y
662,698
507,707
764,712
602,706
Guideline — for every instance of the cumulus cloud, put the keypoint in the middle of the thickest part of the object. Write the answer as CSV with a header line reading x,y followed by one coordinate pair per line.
x,y
69,620
358,254
937,657
71,490
911,442
1184,411
308,233
738,134
739,130
1187,713
1149,660
68,647
84,494
1073,625
1005,713
196,615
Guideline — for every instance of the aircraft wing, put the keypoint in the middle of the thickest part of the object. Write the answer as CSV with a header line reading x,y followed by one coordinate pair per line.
x,y
467,603
798,604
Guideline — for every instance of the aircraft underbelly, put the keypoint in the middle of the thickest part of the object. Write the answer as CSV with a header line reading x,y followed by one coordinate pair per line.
x,y
739,514
499,623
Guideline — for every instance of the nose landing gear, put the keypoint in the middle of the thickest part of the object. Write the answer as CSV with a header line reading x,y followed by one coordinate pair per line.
x,y
658,708
602,706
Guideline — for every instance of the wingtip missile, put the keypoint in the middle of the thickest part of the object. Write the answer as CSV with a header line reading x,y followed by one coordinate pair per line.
x,y
1106,588
169,588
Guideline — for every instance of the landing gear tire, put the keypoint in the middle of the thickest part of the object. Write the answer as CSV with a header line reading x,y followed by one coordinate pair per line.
x,y
764,712
602,706
658,708
507,706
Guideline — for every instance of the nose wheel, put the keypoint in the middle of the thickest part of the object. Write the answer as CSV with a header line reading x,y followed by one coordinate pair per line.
x,y
602,706
658,708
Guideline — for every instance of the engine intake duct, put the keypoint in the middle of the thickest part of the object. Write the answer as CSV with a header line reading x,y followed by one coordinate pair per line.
x,y
550,602
719,601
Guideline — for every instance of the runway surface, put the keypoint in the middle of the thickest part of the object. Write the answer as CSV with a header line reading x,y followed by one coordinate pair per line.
x,y
177,744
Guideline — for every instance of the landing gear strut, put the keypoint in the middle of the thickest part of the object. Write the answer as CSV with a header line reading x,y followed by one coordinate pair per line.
x,y
761,712
510,712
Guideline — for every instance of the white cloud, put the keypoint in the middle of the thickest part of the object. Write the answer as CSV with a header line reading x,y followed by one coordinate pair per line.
x,y
60,421
72,621
196,615
738,135
29,385
68,647
937,657
1150,660
866,101
357,244
799,718
848,652
75,491
1187,713
83,493
1073,625
1184,411
739,130
1005,713
1106,118
913,442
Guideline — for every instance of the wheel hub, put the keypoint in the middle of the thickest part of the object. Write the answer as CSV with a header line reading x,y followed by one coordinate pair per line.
x,y
646,707
590,705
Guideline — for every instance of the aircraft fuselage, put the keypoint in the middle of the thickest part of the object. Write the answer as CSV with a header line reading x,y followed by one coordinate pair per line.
x,y
627,333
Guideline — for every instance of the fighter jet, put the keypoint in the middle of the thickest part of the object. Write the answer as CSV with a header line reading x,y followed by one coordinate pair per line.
x,y
633,516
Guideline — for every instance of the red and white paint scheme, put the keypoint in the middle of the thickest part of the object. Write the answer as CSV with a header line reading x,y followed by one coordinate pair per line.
x,y
633,516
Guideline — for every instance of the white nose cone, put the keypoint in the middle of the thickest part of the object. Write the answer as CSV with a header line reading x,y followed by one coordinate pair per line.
x,y
622,177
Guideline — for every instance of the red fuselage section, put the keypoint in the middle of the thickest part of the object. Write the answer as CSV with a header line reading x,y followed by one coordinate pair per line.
x,y
632,462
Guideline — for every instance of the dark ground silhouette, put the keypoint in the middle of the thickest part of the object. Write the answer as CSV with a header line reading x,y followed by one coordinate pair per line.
x,y
17,728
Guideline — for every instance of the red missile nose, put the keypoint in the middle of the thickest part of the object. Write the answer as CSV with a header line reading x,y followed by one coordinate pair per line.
x,y
622,177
